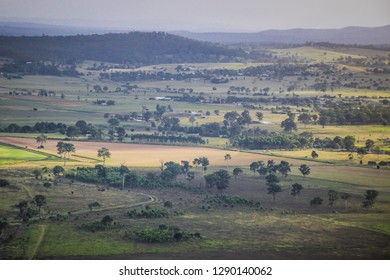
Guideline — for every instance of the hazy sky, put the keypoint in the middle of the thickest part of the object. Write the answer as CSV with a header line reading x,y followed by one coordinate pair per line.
x,y
201,15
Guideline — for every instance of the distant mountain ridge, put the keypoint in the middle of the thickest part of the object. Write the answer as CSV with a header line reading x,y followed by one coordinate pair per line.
x,y
136,48
347,35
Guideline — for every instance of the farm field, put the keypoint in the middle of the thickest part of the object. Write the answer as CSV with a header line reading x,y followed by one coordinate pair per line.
x,y
151,199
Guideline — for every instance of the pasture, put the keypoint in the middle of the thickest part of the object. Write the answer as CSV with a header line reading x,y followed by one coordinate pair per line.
x,y
285,228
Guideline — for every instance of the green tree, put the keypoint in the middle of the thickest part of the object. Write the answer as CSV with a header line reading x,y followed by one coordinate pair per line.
x,y
332,197
174,168
123,170
369,198
204,161
304,118
107,220
361,152
220,179
147,115
3,226
22,205
41,139
273,188
345,197
104,153
58,170
72,131
259,116
289,124
369,144
93,205
304,169
37,173
316,201
228,157
254,166
40,200
349,143
323,120
237,171
296,190
284,168
314,154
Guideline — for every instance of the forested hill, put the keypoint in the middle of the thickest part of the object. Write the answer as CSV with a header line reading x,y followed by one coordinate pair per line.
x,y
131,48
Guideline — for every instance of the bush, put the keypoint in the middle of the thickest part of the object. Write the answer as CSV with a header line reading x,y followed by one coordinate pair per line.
x,y
4,183
47,185
163,234
168,204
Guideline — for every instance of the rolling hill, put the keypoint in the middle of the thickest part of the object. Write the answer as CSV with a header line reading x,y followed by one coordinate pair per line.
x,y
138,48
348,35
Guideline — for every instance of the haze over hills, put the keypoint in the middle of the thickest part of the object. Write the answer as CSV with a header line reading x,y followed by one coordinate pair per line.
x,y
348,35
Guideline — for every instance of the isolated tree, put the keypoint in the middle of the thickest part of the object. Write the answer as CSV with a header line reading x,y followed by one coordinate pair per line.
x,y
69,148
104,153
61,149
361,152
273,188
323,120
369,198
40,200
237,171
41,139
369,144
93,205
259,116
296,190
305,169
316,201
345,197
314,154
332,197
204,161
254,166
227,158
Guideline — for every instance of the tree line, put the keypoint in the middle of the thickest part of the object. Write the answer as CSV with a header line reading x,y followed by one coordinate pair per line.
x,y
166,138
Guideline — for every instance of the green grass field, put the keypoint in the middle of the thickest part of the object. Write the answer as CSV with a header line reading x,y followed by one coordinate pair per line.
x,y
287,228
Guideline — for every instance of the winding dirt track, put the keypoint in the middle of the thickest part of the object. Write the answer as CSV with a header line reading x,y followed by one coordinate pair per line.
x,y
42,228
